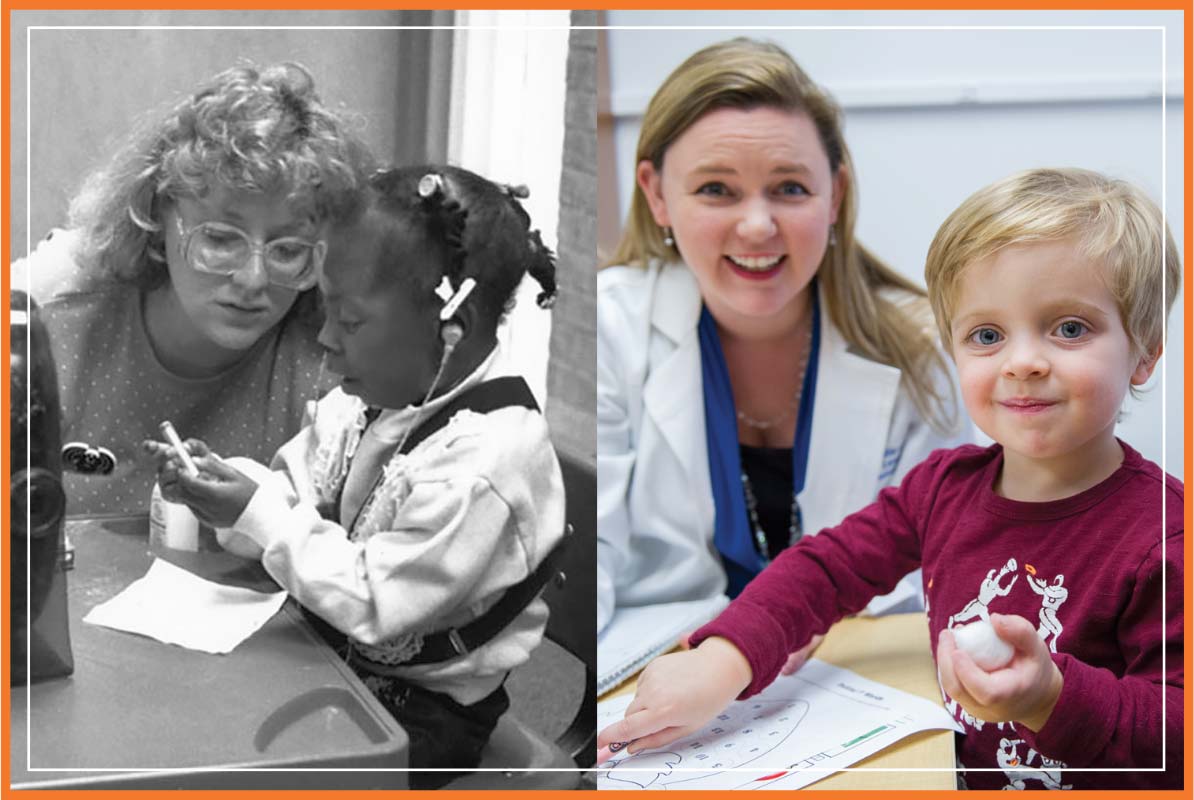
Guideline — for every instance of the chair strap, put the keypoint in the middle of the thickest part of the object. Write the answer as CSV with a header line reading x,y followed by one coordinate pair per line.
x,y
455,642
483,398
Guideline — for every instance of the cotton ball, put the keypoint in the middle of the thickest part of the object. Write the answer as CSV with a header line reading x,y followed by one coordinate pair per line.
x,y
983,644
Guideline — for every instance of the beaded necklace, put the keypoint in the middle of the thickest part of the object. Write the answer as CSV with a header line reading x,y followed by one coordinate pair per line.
x,y
795,524
805,351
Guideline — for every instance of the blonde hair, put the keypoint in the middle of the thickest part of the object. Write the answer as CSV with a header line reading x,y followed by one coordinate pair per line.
x,y
1111,221
745,74
248,129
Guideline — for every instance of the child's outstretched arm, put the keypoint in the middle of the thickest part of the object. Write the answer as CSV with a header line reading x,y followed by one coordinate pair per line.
x,y
678,693
446,526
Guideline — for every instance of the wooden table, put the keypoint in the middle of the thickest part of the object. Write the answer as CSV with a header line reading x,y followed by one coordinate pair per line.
x,y
282,700
893,650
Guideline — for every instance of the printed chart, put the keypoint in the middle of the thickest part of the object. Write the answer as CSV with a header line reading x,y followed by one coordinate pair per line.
x,y
796,731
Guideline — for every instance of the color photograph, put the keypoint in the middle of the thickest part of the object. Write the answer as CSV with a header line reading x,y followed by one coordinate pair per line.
x,y
890,400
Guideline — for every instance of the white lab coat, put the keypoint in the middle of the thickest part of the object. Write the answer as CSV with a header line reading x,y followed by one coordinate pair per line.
x,y
655,513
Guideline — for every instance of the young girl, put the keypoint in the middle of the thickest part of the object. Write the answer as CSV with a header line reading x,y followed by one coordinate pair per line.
x,y
416,509
184,288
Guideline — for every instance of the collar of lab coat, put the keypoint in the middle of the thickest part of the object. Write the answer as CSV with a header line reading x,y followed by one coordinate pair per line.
x,y
852,411
673,396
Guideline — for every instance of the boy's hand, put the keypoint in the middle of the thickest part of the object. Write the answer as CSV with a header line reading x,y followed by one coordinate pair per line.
x,y
678,693
1025,691
218,495
797,659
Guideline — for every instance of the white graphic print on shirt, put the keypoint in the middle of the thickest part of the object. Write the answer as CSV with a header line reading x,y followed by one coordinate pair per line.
x,y
1053,595
987,591
1047,772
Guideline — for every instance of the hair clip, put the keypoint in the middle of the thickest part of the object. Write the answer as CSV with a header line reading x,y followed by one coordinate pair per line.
x,y
430,185
82,457
453,303
520,191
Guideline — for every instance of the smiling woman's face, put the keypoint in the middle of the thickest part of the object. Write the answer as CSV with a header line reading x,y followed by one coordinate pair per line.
x,y
231,312
749,196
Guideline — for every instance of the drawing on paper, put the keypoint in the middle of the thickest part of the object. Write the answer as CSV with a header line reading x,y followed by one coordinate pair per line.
x,y
889,730
745,732
795,732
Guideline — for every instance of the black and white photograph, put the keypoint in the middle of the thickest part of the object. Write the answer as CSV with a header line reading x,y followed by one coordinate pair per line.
x,y
302,328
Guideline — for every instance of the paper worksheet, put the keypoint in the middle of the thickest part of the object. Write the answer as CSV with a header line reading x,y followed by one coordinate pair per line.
x,y
178,607
796,731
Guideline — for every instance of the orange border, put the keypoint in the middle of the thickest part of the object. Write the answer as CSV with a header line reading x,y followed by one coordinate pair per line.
x,y
1003,5
825,5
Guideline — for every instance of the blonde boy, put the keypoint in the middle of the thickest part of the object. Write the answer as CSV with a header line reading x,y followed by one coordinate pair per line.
x,y
1051,289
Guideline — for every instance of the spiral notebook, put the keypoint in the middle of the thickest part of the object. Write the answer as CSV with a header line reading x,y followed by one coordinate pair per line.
x,y
637,635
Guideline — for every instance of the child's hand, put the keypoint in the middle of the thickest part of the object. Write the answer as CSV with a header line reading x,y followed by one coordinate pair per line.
x,y
797,659
1025,691
678,693
218,495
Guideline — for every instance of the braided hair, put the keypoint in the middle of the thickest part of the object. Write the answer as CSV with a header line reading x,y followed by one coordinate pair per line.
x,y
479,228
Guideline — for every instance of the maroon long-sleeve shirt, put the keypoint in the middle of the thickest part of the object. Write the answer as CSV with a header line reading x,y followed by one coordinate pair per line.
x,y
1099,573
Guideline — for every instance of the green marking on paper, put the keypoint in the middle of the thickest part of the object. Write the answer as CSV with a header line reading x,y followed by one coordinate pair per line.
x,y
866,735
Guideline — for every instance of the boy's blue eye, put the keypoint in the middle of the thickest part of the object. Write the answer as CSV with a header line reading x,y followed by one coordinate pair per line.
x,y
792,189
986,337
1071,329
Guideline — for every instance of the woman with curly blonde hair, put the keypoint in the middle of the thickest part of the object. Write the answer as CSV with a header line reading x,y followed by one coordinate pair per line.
x,y
184,288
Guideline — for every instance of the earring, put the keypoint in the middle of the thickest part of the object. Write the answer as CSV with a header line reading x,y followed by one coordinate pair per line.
x,y
832,236
667,237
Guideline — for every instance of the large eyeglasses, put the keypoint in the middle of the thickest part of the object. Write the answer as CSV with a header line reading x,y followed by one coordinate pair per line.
x,y
218,248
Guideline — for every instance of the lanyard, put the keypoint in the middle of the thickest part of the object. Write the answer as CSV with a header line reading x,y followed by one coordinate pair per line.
x,y
732,536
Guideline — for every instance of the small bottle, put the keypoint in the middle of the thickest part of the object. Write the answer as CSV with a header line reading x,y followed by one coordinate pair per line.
x,y
172,526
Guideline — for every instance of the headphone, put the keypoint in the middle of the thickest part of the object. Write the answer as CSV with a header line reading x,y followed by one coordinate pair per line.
x,y
451,327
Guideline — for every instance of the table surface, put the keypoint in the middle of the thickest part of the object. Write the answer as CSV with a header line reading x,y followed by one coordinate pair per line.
x,y
893,650
282,699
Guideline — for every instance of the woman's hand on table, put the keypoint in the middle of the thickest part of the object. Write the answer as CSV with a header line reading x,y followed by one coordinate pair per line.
x,y
218,494
678,693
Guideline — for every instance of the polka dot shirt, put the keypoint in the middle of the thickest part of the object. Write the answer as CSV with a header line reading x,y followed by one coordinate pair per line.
x,y
114,392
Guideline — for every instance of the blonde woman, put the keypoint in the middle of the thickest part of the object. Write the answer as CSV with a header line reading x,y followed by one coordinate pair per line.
x,y
760,374
184,288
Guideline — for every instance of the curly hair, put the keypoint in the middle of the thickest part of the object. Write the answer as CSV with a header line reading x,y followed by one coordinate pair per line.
x,y
247,129
479,228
